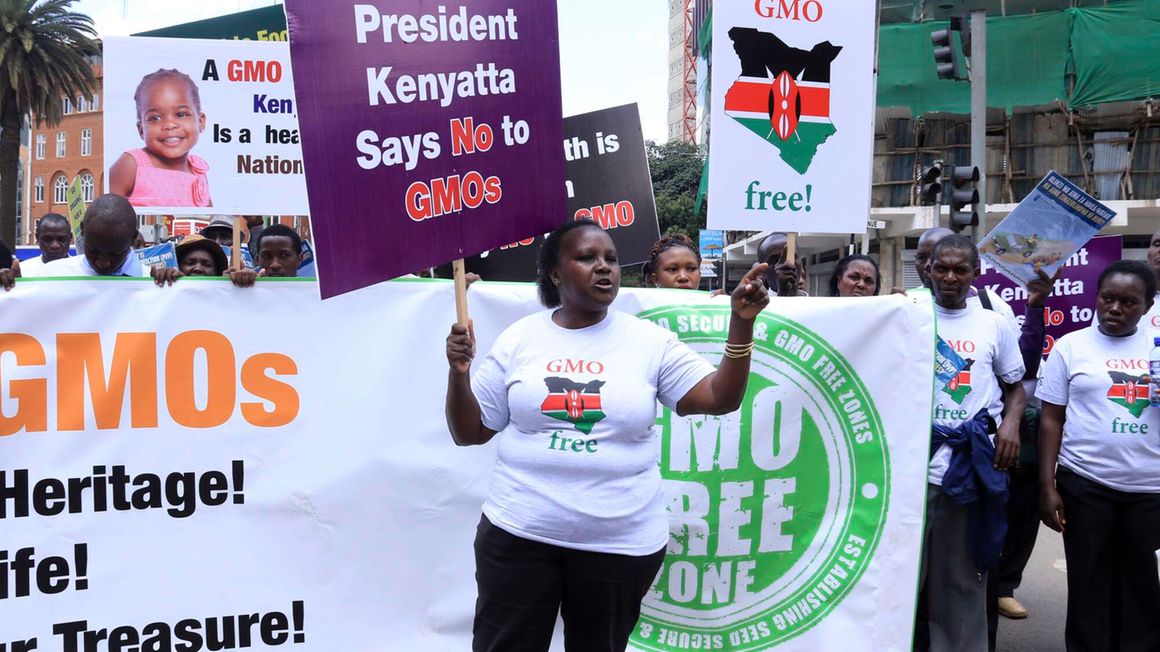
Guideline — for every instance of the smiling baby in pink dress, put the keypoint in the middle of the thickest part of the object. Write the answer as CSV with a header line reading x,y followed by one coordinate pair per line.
x,y
169,120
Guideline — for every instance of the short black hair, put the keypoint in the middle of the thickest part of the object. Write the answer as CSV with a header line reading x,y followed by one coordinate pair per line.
x,y
668,242
958,242
1132,268
163,75
282,230
840,269
49,219
5,255
549,260
112,211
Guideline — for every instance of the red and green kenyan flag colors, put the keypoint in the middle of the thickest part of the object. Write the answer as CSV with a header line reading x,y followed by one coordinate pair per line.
x,y
576,403
783,94
960,385
1131,392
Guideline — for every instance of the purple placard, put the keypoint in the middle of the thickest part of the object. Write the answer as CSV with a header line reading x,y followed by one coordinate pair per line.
x,y
1072,304
378,122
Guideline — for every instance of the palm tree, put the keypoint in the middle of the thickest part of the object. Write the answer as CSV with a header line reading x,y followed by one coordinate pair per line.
x,y
45,52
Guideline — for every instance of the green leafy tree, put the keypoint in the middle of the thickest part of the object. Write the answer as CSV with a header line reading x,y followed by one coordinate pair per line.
x,y
45,51
676,176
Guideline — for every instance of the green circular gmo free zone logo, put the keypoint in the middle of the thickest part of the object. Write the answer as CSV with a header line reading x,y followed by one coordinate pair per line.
x,y
774,510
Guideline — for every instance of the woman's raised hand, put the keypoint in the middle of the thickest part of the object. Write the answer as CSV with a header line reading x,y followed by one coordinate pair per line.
x,y
751,296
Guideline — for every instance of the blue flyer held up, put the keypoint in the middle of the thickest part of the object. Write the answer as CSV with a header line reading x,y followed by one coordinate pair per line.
x,y
1044,230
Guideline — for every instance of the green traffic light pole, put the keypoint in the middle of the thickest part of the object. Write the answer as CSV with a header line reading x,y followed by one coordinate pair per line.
x,y
978,29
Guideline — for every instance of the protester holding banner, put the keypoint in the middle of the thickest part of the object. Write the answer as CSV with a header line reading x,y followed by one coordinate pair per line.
x,y
855,275
1104,495
965,521
674,262
109,229
53,238
575,520
199,256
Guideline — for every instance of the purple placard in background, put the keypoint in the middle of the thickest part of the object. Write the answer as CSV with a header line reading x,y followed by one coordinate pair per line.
x,y
1072,304
377,129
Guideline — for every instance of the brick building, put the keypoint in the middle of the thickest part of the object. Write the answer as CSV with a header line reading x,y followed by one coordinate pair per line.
x,y
59,154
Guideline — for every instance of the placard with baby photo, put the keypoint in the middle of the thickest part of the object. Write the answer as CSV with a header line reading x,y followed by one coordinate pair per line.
x,y
197,126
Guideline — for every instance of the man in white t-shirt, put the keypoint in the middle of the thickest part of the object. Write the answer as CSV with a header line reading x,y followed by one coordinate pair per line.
x,y
987,395
53,237
109,228
922,256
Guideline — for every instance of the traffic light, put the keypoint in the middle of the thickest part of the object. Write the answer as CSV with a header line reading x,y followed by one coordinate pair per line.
x,y
947,58
964,197
930,186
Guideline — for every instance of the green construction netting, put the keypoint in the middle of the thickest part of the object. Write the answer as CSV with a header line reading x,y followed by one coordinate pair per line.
x,y
1110,49
1114,52
1026,62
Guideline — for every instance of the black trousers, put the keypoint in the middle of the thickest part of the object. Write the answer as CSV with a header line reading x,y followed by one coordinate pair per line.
x,y
1113,589
523,585
1022,530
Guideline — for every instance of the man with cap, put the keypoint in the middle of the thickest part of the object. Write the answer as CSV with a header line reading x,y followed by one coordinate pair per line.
x,y
53,238
220,230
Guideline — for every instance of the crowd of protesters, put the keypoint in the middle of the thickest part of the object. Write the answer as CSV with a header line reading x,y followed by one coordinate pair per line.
x,y
112,239
1057,450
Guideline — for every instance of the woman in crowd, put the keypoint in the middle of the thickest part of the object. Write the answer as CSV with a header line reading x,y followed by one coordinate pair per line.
x,y
855,275
1105,494
674,262
575,519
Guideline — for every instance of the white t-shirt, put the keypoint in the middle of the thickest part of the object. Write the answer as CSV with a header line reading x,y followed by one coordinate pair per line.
x,y
1110,433
31,268
998,305
986,341
575,409
1152,318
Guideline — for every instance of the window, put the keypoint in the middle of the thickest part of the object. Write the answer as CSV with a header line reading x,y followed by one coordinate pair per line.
x,y
82,105
96,104
67,105
40,141
87,187
86,142
61,142
58,189
38,190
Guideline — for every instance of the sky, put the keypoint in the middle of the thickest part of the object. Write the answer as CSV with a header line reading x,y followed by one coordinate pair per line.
x,y
612,52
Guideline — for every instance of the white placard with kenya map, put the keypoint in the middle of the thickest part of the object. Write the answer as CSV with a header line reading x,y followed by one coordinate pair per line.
x,y
792,115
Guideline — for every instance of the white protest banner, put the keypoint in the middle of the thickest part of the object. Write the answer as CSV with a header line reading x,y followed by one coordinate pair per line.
x,y
194,124
203,467
792,115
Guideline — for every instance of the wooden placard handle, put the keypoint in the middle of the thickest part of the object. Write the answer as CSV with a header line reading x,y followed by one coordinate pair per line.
x,y
461,316
236,263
